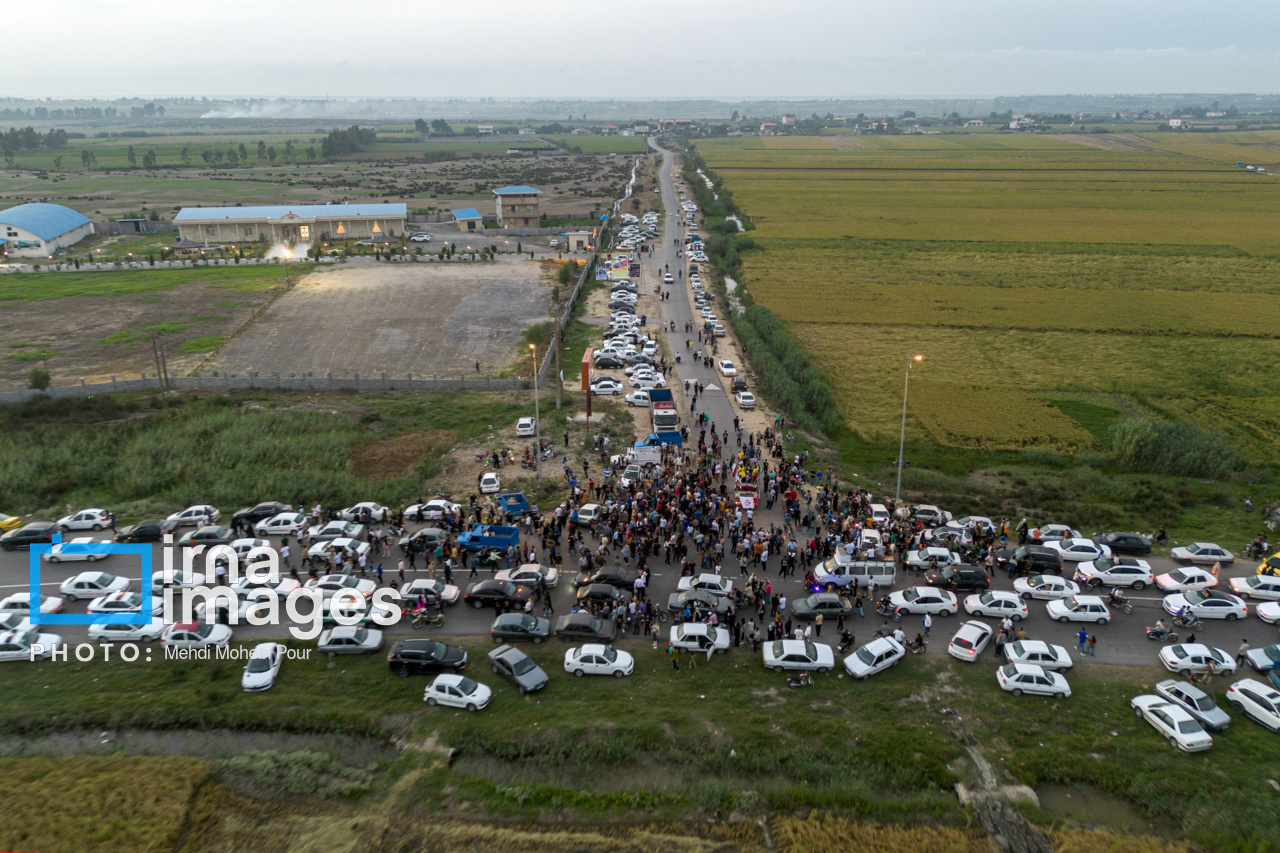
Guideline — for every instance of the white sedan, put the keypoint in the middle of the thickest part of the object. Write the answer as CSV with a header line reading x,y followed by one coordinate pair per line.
x,y
490,484
996,604
714,584
647,381
526,427
124,633
431,589
746,400
1182,730
331,584
1203,553
365,511
1081,608
529,574
433,510
1207,604
195,515
701,637
782,655
1078,550
726,368
195,635
1264,587
638,398
1046,587
180,580
1258,701
242,547
263,667
1185,580
1268,612
85,519
876,656
457,691
1116,571
1038,653
335,530
1186,658
284,524
598,659
969,641
323,552
1019,678
20,602
92,585
925,599
931,556
607,386
349,640
124,602
1054,531
16,645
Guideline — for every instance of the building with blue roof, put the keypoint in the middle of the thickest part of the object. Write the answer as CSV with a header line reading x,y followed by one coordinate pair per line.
x,y
468,219
39,230
293,223
517,207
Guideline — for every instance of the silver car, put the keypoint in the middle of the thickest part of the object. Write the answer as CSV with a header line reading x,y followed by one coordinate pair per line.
x,y
518,668
1195,702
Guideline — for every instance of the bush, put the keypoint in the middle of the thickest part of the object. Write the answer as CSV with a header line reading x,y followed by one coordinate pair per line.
x,y
39,379
1167,447
302,773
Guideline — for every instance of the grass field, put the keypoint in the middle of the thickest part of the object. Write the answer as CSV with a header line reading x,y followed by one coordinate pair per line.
x,y
602,144
724,737
1053,270
235,279
142,455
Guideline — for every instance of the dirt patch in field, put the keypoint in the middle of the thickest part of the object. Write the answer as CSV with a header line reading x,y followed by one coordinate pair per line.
x,y
73,328
398,455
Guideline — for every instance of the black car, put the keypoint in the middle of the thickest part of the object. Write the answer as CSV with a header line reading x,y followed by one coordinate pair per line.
x,y
509,627
829,604
608,362
700,603
489,593
214,534
150,530
1031,559
641,358
410,657
425,539
35,533
601,593
1124,543
967,578
618,304
249,516
584,627
613,576
739,383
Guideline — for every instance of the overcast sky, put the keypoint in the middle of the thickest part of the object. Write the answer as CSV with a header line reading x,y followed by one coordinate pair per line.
x,y
651,48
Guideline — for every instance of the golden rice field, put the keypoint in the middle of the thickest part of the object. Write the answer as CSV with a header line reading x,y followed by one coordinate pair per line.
x,y
1151,276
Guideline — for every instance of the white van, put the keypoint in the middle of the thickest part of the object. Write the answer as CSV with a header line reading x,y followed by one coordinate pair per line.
x,y
842,571
880,514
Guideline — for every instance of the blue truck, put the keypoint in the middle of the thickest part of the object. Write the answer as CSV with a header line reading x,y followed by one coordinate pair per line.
x,y
514,504
483,536
657,439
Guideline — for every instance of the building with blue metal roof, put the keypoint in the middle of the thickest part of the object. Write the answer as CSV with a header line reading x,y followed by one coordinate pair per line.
x,y
300,223
468,219
517,207
40,230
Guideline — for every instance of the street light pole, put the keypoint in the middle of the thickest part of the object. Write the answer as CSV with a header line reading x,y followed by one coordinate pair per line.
x,y
537,415
902,437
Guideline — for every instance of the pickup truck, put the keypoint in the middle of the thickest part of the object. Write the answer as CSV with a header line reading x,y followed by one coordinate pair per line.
x,y
656,439
483,536
514,504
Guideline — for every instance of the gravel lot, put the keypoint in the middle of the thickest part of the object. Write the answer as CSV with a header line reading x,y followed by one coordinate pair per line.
x,y
369,318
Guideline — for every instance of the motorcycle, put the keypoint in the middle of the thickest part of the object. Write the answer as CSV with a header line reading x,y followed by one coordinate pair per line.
x,y
1167,636
489,560
1254,551
481,457
396,530
918,648
1188,622
1121,604
800,679
427,619
845,644
889,611
528,464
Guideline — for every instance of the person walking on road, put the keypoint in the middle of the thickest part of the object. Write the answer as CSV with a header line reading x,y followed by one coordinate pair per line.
x,y
1092,646
928,624
1082,637
1241,652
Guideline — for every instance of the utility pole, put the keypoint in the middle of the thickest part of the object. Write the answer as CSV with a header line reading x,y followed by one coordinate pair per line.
x,y
155,352
558,343
537,415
